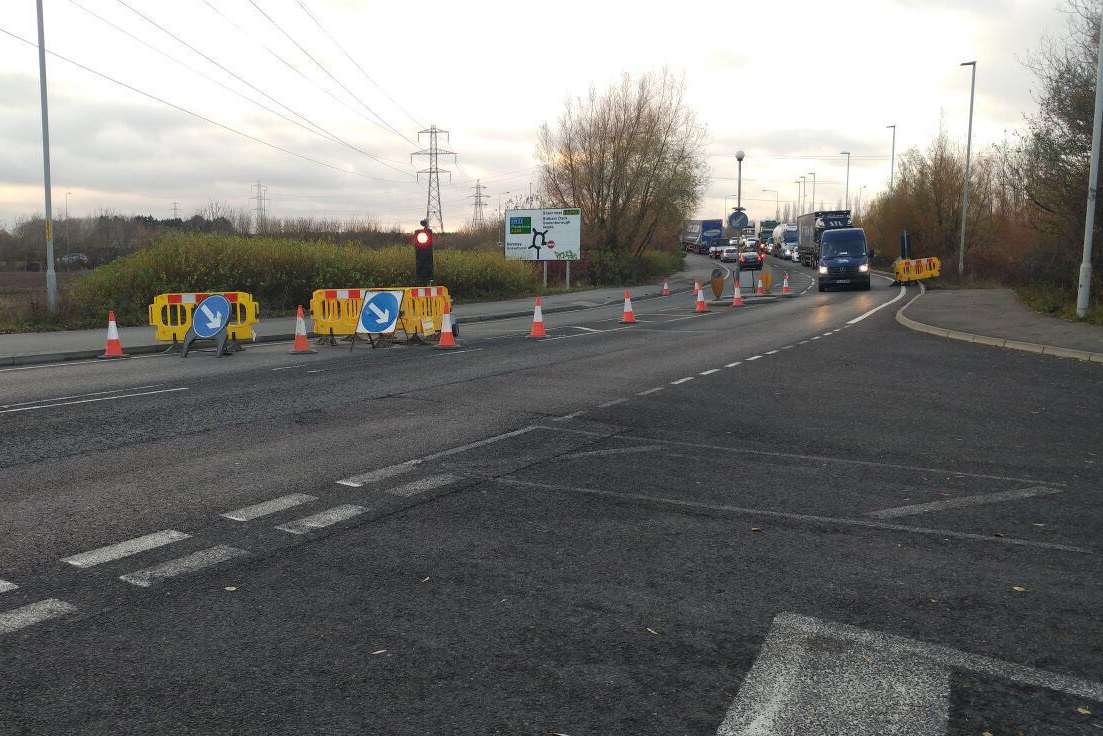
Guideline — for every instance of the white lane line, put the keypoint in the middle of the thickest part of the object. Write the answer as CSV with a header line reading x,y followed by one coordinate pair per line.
x,y
615,451
289,367
614,402
802,342
732,365
89,401
786,347
876,309
572,415
126,548
682,380
827,334
80,396
709,372
753,357
650,391
33,613
319,370
5,586
771,352
964,501
265,508
194,562
404,467
445,353
321,520
585,329
817,337
793,516
425,484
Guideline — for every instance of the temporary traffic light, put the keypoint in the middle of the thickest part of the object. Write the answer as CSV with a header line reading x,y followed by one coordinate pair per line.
x,y
423,253
423,238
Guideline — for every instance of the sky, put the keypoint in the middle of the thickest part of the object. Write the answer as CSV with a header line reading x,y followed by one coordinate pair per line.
x,y
792,83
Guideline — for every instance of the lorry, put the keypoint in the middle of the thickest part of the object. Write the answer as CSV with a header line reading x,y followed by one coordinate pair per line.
x,y
698,235
766,230
811,227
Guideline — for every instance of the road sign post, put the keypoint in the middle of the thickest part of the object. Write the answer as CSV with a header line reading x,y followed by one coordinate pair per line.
x,y
209,322
378,315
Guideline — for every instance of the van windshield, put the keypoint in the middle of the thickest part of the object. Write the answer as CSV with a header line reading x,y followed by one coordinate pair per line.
x,y
852,244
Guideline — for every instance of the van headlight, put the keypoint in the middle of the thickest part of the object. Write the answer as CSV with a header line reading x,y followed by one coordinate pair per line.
x,y
864,267
823,269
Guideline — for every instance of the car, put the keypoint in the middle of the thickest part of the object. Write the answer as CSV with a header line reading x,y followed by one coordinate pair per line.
x,y
844,259
750,259
715,250
730,254
794,254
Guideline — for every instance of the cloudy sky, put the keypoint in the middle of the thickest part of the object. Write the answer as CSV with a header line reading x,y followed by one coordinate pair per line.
x,y
791,82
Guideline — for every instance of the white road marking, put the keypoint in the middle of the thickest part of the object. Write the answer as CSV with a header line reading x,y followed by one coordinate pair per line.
x,y
289,367
753,357
964,501
786,347
826,334
33,613
614,402
194,562
376,475
732,365
572,415
878,308
709,372
321,520
445,353
793,516
5,586
586,329
682,380
425,484
650,391
79,396
89,401
126,548
802,342
817,337
265,508
319,370
771,352
615,451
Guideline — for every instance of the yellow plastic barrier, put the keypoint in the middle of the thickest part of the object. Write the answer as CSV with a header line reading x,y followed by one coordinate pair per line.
x,y
336,311
916,269
171,314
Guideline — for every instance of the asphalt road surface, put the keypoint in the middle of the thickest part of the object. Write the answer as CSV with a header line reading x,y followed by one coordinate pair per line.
x,y
792,518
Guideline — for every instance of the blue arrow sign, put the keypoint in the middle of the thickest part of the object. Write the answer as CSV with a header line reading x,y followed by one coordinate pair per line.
x,y
737,220
380,312
211,316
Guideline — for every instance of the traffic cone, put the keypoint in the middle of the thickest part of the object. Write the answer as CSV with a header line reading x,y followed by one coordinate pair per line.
x,y
761,290
447,339
538,320
113,348
302,345
737,296
785,290
701,305
666,288
629,317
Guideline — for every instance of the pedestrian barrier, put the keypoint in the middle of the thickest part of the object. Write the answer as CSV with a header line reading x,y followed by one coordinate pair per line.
x,y
335,312
171,314
916,269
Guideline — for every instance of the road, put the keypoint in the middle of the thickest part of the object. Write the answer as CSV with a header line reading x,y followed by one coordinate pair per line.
x,y
794,517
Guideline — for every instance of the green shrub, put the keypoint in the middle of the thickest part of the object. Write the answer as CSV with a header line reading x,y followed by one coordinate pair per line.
x,y
608,268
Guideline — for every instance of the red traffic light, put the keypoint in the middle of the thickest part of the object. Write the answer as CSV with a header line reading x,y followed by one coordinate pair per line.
x,y
423,238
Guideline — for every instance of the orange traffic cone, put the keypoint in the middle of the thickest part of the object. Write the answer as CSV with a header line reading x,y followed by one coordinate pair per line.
x,y
538,320
737,296
302,345
629,317
113,348
785,290
701,305
666,288
447,339
761,290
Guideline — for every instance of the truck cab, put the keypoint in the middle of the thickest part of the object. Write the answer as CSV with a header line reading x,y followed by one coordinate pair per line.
x,y
844,259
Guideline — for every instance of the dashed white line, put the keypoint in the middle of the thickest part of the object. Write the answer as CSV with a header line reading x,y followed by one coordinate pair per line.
x,y
753,357
33,613
786,347
572,415
585,329
5,586
425,484
964,501
771,352
79,396
615,451
319,370
194,562
826,334
374,476
709,372
817,337
289,367
650,391
802,342
876,309
614,402
321,520
445,353
682,380
89,401
265,508
126,548
732,365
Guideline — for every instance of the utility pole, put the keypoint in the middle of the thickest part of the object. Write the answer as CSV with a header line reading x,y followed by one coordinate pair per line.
x,y
777,203
892,158
176,210
796,202
813,175
51,274
1084,286
433,152
260,205
478,218
846,198
968,155
803,193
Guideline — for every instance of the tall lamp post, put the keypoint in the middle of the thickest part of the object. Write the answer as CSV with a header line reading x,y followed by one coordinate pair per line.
x,y
846,197
813,175
892,158
803,193
739,190
51,274
968,155
861,190
1084,285
796,202
777,203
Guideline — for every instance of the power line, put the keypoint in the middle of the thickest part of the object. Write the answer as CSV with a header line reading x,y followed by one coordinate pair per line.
x,y
194,114
356,64
321,66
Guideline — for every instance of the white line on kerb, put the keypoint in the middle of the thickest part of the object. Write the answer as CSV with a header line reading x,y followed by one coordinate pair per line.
x,y
964,501
650,391
614,402
425,484
126,548
89,401
5,586
33,613
682,380
732,365
321,520
183,565
709,372
878,308
265,508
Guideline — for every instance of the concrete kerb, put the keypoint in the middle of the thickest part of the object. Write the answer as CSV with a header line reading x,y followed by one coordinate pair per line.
x,y
998,342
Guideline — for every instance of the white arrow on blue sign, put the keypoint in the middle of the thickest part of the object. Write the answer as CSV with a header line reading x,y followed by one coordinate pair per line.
x,y
379,315
211,316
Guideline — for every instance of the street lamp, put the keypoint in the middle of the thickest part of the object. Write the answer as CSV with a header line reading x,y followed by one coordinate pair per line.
x,y
1084,286
67,241
861,190
51,274
739,190
968,154
813,175
777,203
803,192
892,158
846,197
796,202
